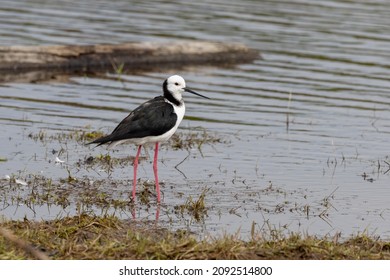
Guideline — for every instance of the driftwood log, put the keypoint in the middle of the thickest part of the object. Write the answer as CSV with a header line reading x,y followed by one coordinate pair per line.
x,y
17,60
23,245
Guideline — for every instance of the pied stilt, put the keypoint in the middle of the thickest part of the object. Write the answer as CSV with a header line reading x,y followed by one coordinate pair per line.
x,y
154,121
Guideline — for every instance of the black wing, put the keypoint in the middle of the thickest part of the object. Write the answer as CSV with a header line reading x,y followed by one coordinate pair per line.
x,y
152,118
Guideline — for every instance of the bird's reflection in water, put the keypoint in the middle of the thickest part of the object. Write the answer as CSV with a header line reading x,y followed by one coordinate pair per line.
x,y
134,208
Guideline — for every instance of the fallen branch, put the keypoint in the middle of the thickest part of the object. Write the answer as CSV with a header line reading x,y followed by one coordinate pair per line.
x,y
23,245
132,55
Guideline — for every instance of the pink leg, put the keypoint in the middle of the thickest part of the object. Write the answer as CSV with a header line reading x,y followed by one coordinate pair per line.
x,y
155,172
135,170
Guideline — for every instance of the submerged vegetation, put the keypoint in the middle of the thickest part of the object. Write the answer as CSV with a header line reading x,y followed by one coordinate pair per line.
x,y
79,135
194,139
107,237
182,140
195,207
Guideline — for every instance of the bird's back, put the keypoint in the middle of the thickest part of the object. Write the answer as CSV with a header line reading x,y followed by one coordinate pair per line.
x,y
152,118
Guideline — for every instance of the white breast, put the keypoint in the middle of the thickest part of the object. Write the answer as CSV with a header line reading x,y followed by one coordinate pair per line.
x,y
179,110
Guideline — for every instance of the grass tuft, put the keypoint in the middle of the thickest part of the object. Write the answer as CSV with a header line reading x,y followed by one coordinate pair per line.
x,y
194,207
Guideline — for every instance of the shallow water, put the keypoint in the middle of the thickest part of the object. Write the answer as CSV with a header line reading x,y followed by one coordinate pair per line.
x,y
327,167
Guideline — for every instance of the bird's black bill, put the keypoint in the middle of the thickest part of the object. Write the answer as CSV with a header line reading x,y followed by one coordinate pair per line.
x,y
193,92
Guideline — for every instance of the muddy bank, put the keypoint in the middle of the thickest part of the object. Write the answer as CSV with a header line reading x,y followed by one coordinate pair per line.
x,y
90,237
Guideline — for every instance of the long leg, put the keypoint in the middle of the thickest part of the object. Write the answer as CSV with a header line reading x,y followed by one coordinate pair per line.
x,y
135,170
156,172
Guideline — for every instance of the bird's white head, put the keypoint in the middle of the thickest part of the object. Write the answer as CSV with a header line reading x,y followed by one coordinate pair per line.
x,y
175,85
173,88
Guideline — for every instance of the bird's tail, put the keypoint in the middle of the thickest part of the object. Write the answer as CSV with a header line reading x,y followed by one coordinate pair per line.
x,y
100,141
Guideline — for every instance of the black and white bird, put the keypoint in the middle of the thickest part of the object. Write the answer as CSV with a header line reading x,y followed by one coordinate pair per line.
x,y
153,122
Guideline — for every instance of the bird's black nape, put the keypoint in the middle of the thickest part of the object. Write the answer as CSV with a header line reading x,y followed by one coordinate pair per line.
x,y
165,87
168,95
